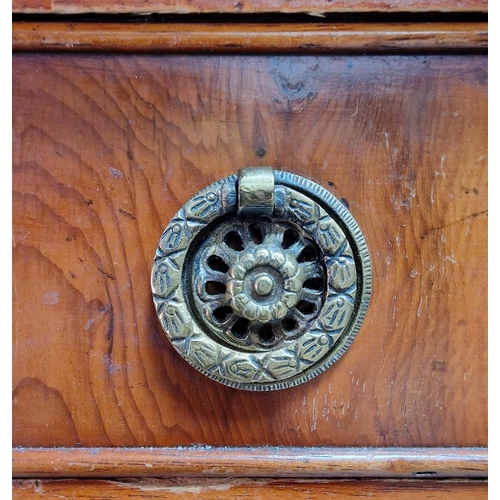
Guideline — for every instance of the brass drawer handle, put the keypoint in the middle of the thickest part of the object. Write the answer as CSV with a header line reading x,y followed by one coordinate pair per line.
x,y
261,281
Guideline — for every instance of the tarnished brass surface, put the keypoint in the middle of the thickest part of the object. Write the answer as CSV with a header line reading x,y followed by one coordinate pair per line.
x,y
261,281
261,288
256,191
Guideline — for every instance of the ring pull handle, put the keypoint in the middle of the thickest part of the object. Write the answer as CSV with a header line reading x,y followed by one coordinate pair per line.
x,y
261,281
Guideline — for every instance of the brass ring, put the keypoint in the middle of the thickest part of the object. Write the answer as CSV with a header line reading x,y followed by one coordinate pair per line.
x,y
185,309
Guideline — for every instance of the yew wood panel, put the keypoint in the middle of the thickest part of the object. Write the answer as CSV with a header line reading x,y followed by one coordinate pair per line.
x,y
243,489
106,148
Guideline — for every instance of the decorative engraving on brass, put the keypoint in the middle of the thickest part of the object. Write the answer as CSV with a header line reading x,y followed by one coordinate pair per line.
x,y
258,282
262,280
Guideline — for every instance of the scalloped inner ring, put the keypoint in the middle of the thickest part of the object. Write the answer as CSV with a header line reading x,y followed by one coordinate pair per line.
x,y
259,282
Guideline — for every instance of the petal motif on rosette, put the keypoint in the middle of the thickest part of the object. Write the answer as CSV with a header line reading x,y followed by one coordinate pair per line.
x,y
279,311
293,284
234,287
289,268
264,313
290,299
277,258
247,261
250,310
238,302
237,272
262,256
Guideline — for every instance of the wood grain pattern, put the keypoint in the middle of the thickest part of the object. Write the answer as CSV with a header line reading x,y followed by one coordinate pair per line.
x,y
246,6
241,38
244,489
108,147
267,462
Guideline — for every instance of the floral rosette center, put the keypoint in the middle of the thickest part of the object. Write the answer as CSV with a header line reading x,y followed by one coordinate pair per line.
x,y
259,282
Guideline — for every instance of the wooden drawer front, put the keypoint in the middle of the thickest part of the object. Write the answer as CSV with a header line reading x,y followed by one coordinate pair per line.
x,y
108,147
243,489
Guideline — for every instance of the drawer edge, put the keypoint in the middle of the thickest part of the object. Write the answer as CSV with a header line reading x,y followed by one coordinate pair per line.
x,y
255,462
249,38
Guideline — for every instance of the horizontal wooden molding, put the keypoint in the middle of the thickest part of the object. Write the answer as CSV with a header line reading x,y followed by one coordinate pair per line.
x,y
248,38
246,6
283,462
246,488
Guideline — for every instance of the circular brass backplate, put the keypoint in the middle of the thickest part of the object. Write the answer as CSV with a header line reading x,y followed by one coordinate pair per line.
x,y
262,296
